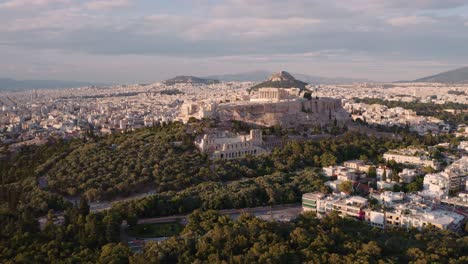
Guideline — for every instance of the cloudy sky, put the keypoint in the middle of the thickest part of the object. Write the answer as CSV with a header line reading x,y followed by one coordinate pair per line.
x,y
126,41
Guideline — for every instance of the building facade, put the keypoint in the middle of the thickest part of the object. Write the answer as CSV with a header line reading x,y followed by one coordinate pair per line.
x,y
226,145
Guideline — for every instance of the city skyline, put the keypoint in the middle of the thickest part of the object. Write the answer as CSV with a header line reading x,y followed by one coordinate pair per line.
x,y
141,41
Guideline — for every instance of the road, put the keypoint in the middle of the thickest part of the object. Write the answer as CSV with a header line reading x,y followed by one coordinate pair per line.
x,y
278,212
106,205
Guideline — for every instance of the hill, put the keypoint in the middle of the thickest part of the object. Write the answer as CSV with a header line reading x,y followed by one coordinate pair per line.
x,y
11,84
454,76
281,79
189,80
259,76
253,76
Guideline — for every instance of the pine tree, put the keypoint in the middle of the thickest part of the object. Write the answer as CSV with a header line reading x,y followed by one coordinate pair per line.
x,y
84,206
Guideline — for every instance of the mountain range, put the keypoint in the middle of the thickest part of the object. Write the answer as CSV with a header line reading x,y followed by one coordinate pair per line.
x,y
191,80
459,75
259,76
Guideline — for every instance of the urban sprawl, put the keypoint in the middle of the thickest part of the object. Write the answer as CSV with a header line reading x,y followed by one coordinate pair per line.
x,y
35,116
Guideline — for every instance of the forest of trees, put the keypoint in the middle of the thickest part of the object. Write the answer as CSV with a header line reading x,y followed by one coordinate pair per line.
x,y
80,239
148,159
277,188
165,159
101,168
211,238
123,163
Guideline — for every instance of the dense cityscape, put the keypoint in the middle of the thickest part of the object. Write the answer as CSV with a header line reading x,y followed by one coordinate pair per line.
x,y
260,166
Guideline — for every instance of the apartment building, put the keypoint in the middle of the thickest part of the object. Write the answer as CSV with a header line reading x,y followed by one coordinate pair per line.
x,y
358,165
412,156
345,205
396,210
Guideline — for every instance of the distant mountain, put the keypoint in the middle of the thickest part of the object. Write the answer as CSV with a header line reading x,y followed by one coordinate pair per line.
x,y
253,76
281,79
259,76
11,84
189,80
454,76
326,80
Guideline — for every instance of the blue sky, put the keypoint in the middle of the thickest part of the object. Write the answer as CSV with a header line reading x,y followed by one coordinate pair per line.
x,y
126,41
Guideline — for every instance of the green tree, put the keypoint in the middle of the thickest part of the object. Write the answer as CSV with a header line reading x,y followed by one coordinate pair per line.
x,y
346,187
372,173
132,220
84,206
114,254
328,159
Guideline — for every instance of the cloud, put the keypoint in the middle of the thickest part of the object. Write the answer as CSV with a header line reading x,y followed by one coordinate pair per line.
x,y
410,20
55,20
250,27
247,32
404,4
20,4
106,4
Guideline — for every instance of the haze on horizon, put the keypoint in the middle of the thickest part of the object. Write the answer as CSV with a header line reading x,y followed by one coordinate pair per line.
x,y
142,41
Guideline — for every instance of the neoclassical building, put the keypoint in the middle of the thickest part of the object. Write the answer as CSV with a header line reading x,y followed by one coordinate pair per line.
x,y
227,145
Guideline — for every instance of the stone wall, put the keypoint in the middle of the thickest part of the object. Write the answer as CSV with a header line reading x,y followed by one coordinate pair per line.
x,y
286,113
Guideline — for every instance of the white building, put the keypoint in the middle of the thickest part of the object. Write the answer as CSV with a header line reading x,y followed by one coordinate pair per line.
x,y
383,170
345,205
407,175
463,146
341,173
453,178
358,165
436,185
401,210
412,156
458,174
382,185
388,198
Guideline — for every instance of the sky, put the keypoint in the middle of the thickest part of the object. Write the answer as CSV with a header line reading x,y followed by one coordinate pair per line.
x,y
136,41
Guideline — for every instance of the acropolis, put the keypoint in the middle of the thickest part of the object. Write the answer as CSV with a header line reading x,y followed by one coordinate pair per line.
x,y
270,106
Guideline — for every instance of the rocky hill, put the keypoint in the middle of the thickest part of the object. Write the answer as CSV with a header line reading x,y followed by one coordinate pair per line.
x,y
189,80
454,76
281,79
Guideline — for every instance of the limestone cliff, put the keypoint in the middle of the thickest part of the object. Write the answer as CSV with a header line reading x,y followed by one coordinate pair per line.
x,y
287,114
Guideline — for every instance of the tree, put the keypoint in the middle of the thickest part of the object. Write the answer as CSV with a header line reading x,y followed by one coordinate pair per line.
x,y
112,223
84,206
132,220
428,169
114,254
414,187
346,187
372,173
327,159
364,158
395,176
384,175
